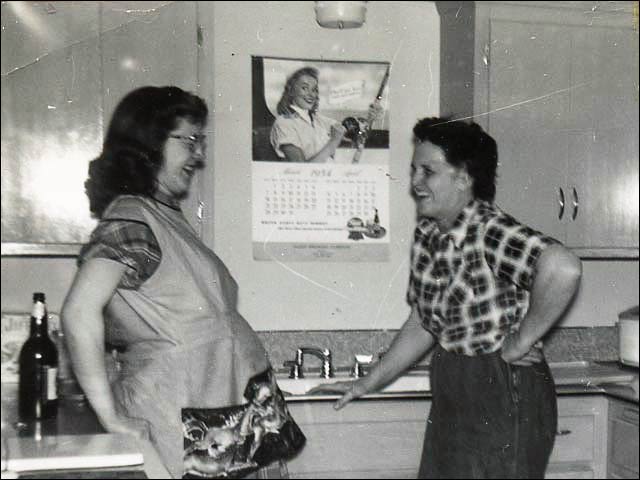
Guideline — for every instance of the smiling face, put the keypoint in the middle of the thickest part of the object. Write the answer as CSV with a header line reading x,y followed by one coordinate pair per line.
x,y
440,190
305,92
183,155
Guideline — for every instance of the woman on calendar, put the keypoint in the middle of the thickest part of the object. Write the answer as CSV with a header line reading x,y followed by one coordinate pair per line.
x,y
300,133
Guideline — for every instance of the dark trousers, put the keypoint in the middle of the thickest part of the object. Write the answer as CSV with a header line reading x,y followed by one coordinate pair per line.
x,y
489,419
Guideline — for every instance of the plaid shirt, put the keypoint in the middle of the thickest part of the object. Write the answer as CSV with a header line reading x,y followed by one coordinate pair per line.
x,y
471,285
130,243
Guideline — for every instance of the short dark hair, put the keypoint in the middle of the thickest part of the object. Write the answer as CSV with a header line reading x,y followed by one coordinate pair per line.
x,y
132,153
465,145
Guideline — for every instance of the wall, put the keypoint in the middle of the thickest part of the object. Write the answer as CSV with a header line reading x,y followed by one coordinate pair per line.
x,y
306,295
607,288
284,297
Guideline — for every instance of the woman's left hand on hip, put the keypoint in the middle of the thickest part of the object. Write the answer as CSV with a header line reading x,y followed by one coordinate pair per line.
x,y
515,353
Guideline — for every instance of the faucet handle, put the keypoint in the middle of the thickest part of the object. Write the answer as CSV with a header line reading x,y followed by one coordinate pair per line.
x,y
327,364
361,361
296,369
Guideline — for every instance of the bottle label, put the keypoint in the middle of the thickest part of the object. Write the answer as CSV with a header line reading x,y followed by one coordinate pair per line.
x,y
38,311
50,390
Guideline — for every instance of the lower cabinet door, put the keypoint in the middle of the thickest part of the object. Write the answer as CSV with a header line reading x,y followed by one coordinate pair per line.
x,y
366,439
580,449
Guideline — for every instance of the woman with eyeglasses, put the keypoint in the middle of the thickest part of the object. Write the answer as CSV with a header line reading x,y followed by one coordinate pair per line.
x,y
148,286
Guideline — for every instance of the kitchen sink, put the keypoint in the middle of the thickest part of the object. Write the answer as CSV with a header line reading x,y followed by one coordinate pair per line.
x,y
413,381
417,379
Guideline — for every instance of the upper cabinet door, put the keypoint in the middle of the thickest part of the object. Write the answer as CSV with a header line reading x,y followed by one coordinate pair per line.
x,y
557,87
65,66
604,140
51,124
528,107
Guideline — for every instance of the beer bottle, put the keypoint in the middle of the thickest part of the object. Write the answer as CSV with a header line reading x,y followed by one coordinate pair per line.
x,y
38,366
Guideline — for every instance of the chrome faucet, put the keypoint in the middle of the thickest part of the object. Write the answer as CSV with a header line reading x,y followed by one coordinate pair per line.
x,y
324,354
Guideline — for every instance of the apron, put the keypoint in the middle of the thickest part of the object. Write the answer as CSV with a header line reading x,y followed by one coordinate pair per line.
x,y
185,344
488,419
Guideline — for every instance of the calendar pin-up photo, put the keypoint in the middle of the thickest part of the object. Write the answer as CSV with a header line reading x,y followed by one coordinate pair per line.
x,y
320,111
320,151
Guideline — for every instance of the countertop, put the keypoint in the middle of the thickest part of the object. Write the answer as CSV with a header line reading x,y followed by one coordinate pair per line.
x,y
77,418
577,378
571,378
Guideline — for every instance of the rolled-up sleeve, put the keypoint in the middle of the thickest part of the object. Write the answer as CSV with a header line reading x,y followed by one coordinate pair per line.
x,y
283,132
128,242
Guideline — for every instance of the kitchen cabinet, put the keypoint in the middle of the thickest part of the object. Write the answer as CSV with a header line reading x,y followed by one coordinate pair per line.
x,y
383,438
556,84
623,440
154,46
366,439
60,85
581,440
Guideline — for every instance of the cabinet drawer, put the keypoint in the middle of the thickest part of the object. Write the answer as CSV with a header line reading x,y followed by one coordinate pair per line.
x,y
558,471
575,439
580,449
406,473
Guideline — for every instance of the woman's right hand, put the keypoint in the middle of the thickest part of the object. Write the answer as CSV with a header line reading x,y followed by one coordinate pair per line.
x,y
137,427
337,132
351,390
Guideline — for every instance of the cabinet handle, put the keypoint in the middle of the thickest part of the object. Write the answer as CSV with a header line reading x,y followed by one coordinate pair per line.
x,y
563,433
485,55
200,211
576,204
561,203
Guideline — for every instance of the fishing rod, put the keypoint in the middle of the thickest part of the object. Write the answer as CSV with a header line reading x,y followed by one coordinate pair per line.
x,y
358,128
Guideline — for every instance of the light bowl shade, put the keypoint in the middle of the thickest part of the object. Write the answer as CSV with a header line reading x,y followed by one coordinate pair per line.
x,y
340,14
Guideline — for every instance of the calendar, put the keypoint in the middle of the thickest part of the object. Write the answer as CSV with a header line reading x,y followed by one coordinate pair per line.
x,y
328,202
315,212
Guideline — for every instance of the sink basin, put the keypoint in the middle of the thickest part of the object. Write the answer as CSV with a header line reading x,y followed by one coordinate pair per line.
x,y
409,382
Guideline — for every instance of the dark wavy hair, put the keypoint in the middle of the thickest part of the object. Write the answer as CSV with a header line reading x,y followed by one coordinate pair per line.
x,y
284,105
132,153
467,146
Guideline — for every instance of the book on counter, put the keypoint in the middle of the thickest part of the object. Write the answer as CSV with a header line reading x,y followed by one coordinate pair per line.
x,y
69,452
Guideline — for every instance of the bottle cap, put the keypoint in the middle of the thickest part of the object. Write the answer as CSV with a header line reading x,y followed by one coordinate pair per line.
x,y
38,297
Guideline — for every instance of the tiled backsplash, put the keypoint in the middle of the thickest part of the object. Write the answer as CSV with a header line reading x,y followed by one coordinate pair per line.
x,y
562,345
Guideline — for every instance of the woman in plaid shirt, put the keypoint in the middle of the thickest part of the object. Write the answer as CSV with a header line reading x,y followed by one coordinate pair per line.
x,y
484,289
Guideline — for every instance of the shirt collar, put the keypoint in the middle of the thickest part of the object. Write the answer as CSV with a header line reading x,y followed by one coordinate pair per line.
x,y
461,225
167,200
302,113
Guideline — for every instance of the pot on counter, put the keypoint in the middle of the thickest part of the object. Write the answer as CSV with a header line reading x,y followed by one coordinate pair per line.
x,y
628,336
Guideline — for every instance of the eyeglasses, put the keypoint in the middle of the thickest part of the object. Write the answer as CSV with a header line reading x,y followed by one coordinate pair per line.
x,y
192,141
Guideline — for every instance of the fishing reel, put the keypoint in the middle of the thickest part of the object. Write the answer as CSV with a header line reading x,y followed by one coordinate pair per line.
x,y
357,130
